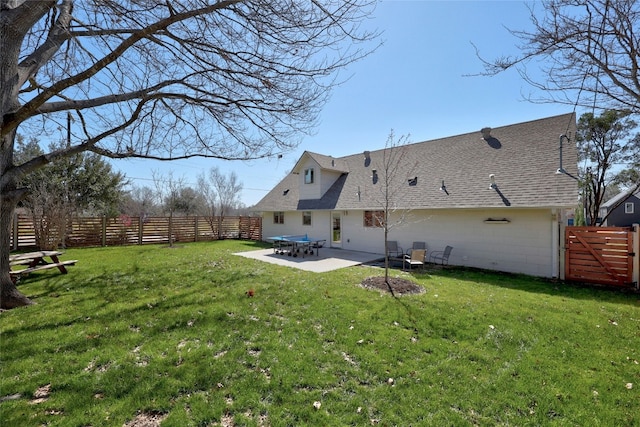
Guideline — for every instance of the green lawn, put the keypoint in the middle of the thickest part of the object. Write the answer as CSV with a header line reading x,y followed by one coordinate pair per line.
x,y
171,333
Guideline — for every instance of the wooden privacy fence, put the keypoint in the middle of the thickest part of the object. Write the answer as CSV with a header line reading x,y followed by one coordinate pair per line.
x,y
605,255
125,230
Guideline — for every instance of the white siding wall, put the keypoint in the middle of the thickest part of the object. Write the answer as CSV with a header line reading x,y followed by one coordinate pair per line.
x,y
319,228
326,179
323,180
525,245
310,191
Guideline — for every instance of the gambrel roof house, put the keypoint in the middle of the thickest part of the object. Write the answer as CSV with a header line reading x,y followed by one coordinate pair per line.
x,y
498,196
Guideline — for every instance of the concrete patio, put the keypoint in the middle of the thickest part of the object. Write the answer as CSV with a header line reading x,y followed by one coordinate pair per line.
x,y
327,259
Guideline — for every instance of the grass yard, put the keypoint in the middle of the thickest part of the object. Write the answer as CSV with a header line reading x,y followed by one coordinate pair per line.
x,y
146,334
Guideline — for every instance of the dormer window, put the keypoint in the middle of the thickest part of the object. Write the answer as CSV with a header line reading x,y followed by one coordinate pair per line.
x,y
308,176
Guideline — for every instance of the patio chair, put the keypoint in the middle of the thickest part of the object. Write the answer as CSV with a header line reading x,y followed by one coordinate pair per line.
x,y
393,250
441,257
417,245
416,259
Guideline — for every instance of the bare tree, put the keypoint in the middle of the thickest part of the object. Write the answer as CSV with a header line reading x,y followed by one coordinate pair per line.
x,y
222,195
230,79
169,190
48,203
588,52
82,183
389,175
140,202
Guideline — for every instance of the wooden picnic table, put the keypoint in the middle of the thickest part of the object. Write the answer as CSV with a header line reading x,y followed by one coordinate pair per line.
x,y
36,261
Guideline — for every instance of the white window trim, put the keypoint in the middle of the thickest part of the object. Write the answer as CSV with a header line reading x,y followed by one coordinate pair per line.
x,y
628,207
278,215
309,176
376,219
310,218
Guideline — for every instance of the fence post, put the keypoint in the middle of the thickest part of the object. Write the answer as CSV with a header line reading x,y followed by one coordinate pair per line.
x,y
16,238
104,230
140,231
636,258
195,225
562,248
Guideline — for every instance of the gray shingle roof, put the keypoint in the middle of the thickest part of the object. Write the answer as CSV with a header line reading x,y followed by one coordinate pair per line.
x,y
325,162
522,157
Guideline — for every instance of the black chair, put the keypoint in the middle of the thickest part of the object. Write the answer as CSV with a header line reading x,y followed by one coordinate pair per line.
x,y
441,257
393,250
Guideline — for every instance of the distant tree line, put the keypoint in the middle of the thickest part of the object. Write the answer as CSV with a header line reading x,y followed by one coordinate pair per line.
x,y
86,185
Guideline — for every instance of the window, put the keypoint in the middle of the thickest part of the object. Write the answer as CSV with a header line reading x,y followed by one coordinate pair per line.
x,y
278,217
628,208
373,218
306,218
308,176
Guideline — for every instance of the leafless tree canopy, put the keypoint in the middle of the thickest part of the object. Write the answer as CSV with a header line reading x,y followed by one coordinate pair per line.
x,y
167,79
587,49
174,79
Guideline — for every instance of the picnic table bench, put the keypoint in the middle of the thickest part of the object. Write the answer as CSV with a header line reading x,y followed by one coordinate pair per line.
x,y
35,261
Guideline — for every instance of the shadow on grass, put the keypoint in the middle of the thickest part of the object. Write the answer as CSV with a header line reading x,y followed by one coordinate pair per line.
x,y
539,285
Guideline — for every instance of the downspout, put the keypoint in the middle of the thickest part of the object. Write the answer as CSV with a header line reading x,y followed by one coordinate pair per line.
x,y
555,244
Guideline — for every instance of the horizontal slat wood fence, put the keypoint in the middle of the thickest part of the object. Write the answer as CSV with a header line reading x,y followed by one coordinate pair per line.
x,y
125,230
602,255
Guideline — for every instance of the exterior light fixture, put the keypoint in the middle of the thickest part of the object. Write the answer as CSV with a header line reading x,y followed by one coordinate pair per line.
x,y
443,188
493,185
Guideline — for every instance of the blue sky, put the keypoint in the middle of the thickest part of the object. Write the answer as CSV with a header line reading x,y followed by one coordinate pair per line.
x,y
417,83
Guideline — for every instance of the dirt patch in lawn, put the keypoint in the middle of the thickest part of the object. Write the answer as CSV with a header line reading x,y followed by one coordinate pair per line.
x,y
399,285
147,419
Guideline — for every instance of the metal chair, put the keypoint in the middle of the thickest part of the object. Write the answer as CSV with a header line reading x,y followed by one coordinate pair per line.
x,y
417,245
416,259
441,257
393,250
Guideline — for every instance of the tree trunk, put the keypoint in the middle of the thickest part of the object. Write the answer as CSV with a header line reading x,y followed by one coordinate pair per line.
x,y
10,297
10,84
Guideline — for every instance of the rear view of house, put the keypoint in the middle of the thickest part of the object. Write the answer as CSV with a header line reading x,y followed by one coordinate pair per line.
x,y
498,196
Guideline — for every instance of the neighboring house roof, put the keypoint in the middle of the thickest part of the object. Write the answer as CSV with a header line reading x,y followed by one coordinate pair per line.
x,y
615,199
522,157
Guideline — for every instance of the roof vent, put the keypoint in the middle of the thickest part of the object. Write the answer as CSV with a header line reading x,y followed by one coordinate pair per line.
x,y
367,158
486,133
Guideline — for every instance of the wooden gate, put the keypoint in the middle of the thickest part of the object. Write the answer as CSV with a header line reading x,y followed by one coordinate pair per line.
x,y
599,255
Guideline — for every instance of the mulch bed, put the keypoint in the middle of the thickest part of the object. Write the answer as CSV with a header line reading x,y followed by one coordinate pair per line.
x,y
399,285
